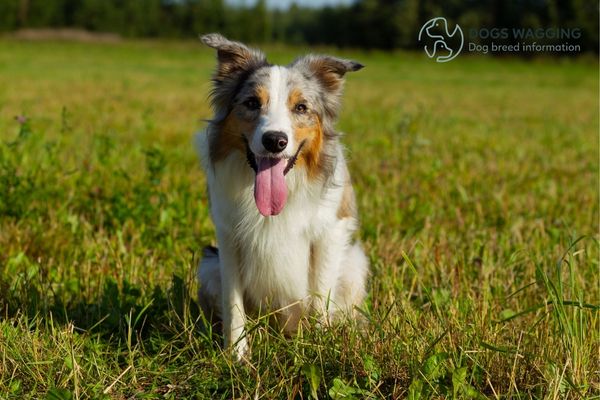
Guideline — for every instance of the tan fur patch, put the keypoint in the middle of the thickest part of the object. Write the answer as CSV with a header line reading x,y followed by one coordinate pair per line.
x,y
307,127
347,206
310,156
229,136
230,130
262,94
294,98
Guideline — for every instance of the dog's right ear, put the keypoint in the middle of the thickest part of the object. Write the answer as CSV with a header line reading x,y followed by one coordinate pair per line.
x,y
234,58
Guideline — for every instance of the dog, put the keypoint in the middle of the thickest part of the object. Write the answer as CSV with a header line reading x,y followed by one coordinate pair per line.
x,y
280,194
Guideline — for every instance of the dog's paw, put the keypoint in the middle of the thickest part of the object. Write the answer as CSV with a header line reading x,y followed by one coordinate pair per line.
x,y
240,350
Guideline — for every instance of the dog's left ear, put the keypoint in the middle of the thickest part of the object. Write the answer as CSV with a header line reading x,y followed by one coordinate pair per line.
x,y
328,70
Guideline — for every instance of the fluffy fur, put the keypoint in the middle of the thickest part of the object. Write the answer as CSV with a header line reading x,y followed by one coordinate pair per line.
x,y
293,260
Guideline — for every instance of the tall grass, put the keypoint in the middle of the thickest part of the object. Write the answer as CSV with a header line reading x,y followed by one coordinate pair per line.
x,y
477,184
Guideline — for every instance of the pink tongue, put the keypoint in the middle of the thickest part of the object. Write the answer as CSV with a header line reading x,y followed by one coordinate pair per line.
x,y
270,191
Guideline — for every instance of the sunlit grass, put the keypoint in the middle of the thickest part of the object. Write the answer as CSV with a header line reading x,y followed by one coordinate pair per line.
x,y
477,183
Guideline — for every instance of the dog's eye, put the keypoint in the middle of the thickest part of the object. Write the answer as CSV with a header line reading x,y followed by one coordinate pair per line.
x,y
252,103
301,108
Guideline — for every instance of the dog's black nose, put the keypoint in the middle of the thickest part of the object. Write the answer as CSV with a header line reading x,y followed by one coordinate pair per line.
x,y
274,141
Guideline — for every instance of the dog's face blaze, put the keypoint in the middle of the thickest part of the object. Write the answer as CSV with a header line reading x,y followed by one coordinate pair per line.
x,y
278,116
273,100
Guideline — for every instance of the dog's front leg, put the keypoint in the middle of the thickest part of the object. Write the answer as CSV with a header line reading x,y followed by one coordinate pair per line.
x,y
234,316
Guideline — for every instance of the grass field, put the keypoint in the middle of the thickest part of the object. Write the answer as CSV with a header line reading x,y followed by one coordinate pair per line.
x,y
477,183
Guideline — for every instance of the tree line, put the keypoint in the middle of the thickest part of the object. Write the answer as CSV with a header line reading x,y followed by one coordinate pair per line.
x,y
379,24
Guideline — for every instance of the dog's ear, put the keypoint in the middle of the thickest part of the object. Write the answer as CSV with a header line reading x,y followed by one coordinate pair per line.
x,y
329,73
233,58
235,61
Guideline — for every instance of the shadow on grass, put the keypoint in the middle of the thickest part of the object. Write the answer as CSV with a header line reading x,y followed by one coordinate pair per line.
x,y
121,312
39,194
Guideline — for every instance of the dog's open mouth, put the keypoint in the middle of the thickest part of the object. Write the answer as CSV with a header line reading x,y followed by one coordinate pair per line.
x,y
270,189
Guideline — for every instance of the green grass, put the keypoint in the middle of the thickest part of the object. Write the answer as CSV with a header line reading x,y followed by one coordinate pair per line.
x,y
477,183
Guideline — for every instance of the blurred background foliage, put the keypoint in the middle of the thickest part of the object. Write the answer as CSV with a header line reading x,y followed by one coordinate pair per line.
x,y
370,24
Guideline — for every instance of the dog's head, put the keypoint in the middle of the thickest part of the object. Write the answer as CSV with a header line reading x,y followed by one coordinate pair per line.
x,y
281,117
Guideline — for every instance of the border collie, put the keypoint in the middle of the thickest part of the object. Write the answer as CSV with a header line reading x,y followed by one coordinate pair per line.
x,y
280,193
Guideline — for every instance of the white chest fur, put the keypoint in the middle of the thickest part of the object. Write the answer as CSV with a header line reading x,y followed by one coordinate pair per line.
x,y
273,252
